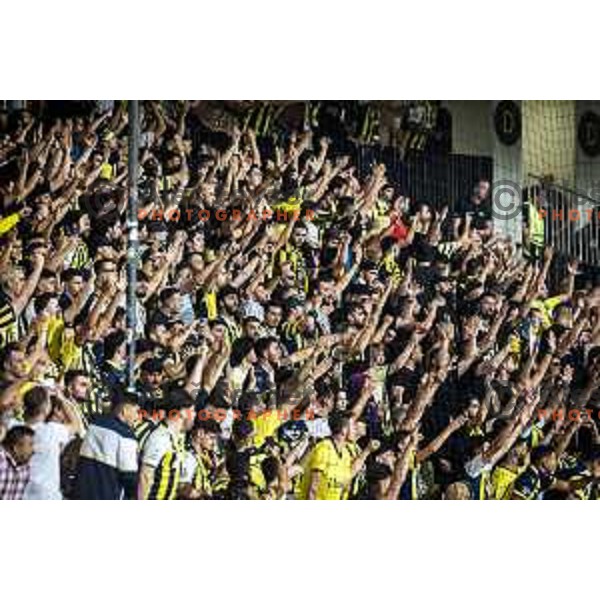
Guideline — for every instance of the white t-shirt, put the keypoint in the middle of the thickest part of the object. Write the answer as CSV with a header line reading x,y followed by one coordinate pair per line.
x,y
227,424
188,468
312,234
48,443
318,428
476,466
159,442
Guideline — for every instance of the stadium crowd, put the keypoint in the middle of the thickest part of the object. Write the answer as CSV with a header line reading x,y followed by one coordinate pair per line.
x,y
328,338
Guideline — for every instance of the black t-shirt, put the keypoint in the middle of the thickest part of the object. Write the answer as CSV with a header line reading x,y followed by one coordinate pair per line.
x,y
481,211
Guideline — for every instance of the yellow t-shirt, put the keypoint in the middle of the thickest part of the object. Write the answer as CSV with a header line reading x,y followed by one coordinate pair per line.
x,y
71,353
355,451
257,478
8,223
106,171
546,308
502,482
56,327
379,214
210,299
265,425
23,389
289,206
389,264
335,467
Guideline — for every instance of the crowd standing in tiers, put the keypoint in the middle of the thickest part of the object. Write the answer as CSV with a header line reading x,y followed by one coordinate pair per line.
x,y
303,331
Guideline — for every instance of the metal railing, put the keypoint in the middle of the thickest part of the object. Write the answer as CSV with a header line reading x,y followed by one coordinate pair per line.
x,y
570,218
570,227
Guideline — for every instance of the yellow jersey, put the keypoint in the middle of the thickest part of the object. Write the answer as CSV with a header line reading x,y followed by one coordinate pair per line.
x,y
265,425
503,479
335,466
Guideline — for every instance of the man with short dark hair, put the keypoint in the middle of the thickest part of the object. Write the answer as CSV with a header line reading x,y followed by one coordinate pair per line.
x,y
332,465
228,304
170,307
78,389
540,476
151,383
112,366
478,204
251,327
108,462
163,451
199,467
268,354
73,280
13,371
273,317
15,453
50,440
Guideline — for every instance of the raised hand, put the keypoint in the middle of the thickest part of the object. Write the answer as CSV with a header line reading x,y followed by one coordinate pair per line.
x,y
374,445
460,420
572,266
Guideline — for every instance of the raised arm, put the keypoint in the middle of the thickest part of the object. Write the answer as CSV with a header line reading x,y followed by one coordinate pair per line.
x,y
194,381
401,467
507,437
74,421
423,398
22,300
343,282
365,394
359,462
403,357
435,444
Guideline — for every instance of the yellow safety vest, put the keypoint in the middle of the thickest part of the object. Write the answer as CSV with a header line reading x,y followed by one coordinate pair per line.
x,y
536,226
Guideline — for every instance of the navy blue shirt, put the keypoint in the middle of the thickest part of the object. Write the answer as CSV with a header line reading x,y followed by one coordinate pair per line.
x,y
108,463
